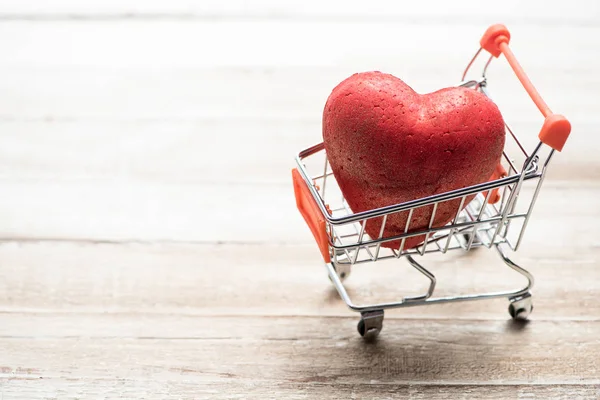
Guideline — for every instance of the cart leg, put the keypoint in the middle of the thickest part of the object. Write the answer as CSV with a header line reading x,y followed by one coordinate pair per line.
x,y
370,324
520,307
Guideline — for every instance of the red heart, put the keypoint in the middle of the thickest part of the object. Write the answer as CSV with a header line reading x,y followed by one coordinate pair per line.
x,y
388,144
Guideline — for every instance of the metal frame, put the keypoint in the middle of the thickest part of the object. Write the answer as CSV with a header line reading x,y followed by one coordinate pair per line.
x,y
479,224
426,298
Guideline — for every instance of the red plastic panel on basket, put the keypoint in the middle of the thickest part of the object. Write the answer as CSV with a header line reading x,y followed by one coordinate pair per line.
x,y
312,213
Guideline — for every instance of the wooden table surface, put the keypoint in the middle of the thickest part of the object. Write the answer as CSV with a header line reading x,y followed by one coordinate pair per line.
x,y
150,245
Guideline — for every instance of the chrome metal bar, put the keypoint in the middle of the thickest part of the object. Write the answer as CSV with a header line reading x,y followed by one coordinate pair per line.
x,y
494,209
483,205
529,211
509,243
311,150
347,253
368,250
434,300
511,211
445,236
470,64
453,230
509,222
346,207
454,194
549,157
360,236
469,214
521,270
324,178
487,64
484,237
383,222
478,219
396,255
424,245
510,163
514,136
467,224
514,194
362,231
410,213
429,275
472,83
504,197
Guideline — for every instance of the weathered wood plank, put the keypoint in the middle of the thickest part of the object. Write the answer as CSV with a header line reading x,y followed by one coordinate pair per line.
x,y
187,387
180,279
119,209
120,139
110,103
202,151
297,350
84,71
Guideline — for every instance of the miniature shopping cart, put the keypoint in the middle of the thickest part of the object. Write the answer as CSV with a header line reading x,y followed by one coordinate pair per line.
x,y
495,216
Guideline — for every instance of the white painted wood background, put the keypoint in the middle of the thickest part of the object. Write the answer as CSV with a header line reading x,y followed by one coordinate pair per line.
x,y
150,243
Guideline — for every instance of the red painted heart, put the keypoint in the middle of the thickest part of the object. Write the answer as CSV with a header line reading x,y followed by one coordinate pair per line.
x,y
388,144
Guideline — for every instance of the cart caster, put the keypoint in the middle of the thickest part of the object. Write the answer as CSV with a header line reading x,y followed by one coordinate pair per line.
x,y
520,307
342,270
466,237
370,324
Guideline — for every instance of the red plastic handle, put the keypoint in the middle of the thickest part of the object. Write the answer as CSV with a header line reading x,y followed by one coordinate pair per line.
x,y
312,214
556,128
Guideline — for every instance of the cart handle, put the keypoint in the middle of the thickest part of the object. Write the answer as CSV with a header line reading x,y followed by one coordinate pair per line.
x,y
556,128
312,214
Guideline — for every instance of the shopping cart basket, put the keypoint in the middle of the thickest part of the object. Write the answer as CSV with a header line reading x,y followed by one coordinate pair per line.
x,y
496,214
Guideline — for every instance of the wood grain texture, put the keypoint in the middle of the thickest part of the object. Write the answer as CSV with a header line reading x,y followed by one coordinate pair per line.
x,y
188,388
269,349
183,151
149,242
166,319
129,210
257,356
271,279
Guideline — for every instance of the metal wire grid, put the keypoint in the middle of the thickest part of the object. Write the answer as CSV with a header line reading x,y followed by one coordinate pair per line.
x,y
478,224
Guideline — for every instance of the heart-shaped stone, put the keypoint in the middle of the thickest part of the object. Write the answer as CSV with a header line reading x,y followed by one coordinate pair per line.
x,y
388,144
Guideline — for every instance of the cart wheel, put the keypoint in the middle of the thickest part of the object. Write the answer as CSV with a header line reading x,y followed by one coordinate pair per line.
x,y
370,324
466,237
343,270
520,307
